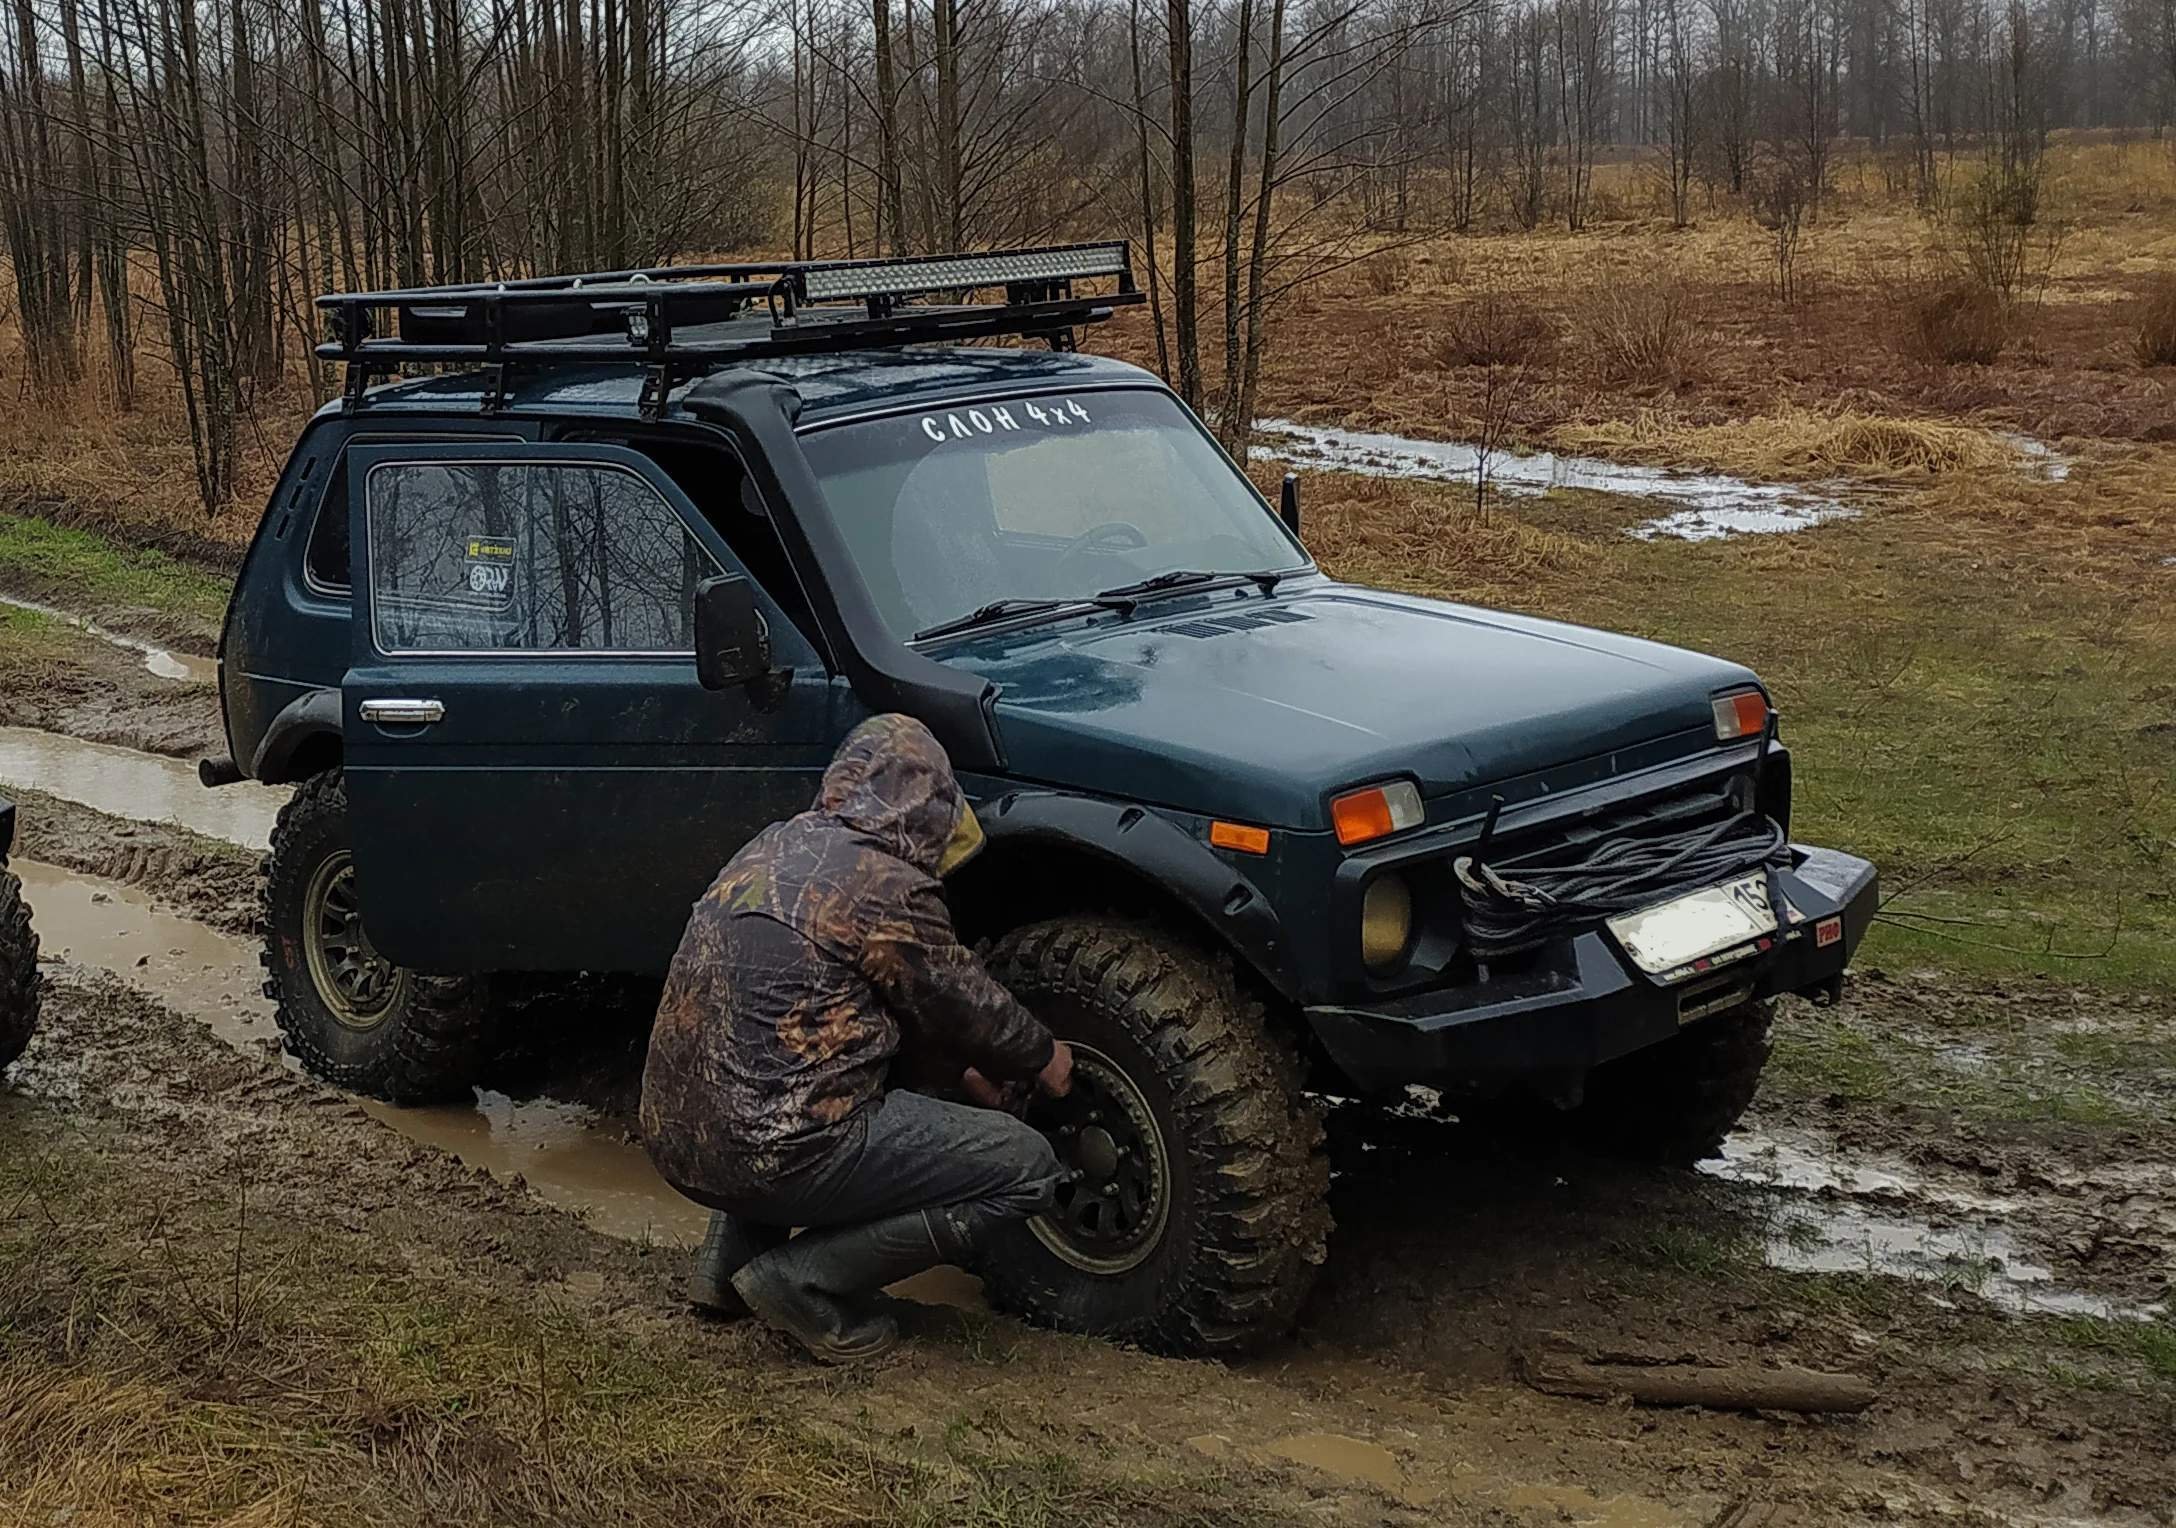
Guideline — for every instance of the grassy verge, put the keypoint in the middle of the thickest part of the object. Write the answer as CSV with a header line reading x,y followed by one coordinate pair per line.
x,y
84,571
176,1353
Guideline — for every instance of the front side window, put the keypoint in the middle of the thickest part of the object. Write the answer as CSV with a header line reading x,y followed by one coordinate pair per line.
x,y
1050,497
528,557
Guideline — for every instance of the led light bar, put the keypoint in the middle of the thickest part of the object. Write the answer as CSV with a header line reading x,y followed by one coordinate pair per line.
x,y
943,273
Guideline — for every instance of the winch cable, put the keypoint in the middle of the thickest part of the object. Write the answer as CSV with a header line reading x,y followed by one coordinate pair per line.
x,y
1507,912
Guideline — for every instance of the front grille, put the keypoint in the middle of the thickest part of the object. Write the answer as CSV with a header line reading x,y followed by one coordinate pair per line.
x,y
1652,817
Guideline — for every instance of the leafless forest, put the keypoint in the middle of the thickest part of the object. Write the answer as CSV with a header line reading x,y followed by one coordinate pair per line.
x,y
179,177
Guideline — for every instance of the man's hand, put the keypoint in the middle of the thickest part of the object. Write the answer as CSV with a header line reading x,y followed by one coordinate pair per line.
x,y
983,1091
1056,1077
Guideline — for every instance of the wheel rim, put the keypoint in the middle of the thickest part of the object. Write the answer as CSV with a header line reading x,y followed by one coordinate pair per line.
x,y
1112,1207
356,984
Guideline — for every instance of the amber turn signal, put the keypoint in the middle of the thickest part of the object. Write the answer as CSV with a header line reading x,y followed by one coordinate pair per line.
x,y
1364,815
1744,714
1237,835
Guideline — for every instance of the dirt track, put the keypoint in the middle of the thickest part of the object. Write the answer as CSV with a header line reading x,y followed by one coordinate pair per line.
x,y
1974,1216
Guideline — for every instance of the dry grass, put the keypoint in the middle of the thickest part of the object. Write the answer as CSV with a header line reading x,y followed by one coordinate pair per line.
x,y
2156,341
1419,536
1800,443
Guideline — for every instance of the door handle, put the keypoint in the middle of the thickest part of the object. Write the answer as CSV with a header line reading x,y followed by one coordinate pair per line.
x,y
403,713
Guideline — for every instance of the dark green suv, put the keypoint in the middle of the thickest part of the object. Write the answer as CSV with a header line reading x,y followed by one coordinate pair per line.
x,y
19,980
540,641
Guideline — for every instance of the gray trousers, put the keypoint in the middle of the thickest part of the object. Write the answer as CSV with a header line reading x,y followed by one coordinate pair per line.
x,y
907,1151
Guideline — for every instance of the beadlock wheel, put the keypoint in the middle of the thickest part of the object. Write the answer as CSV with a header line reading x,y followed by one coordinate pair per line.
x,y
359,986
1111,1213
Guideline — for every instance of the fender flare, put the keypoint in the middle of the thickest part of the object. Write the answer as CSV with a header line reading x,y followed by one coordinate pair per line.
x,y
1151,845
316,714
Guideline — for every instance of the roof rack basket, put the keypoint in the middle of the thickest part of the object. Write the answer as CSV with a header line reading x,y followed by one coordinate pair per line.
x,y
677,322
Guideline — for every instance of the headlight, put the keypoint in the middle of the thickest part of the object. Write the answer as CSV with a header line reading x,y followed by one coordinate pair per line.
x,y
1743,714
1386,920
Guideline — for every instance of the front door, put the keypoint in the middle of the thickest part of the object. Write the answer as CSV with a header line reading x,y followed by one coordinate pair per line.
x,y
535,779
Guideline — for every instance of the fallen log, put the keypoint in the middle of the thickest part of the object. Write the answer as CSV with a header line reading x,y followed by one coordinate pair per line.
x,y
1719,1387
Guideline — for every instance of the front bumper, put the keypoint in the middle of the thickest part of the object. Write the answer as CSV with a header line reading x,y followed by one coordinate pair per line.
x,y
1586,1003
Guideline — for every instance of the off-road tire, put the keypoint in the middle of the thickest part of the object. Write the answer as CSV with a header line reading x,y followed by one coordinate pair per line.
x,y
1249,1182
431,1046
20,983
1674,1102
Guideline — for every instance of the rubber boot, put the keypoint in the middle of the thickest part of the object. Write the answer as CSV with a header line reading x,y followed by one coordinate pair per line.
x,y
816,1287
726,1248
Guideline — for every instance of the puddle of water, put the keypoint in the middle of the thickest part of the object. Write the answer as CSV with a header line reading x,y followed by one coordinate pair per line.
x,y
1820,1231
185,668
1338,1454
1714,506
560,1150
2041,459
143,786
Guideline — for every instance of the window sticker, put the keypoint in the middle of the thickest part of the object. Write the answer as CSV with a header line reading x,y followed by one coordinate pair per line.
x,y
1027,414
490,571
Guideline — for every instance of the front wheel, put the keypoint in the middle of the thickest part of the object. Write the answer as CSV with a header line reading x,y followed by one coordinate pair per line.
x,y
19,979
1674,1102
1197,1213
351,1016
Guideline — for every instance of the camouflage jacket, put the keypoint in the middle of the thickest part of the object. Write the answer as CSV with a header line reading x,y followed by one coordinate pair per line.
x,y
817,945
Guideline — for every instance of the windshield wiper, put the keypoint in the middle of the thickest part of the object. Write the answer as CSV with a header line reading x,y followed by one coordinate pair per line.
x,y
1124,595
983,615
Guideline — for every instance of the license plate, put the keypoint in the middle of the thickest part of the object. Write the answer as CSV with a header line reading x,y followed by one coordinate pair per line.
x,y
1684,929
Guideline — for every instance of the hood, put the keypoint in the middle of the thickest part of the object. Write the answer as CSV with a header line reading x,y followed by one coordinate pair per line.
x,y
1232,704
891,782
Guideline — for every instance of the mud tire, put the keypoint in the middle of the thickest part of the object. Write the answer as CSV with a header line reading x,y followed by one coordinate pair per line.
x,y
1673,1103
431,1045
1249,1182
20,983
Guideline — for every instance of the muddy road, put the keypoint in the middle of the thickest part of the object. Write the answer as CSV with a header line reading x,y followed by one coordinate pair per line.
x,y
1965,1193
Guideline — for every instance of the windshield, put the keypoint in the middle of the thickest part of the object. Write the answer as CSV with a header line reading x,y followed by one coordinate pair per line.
x,y
1053,497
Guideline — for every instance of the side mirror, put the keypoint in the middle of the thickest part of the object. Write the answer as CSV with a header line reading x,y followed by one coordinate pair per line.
x,y
732,645
1288,503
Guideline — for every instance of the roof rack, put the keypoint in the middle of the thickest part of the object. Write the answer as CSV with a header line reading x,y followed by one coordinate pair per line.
x,y
679,321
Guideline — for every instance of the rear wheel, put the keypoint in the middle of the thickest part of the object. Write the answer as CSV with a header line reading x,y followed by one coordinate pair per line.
x,y
350,1015
19,979
1198,1210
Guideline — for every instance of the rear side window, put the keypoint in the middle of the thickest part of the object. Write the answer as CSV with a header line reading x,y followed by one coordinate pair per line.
x,y
528,557
326,557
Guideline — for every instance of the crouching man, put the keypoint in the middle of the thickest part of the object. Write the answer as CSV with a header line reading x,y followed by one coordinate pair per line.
x,y
820,949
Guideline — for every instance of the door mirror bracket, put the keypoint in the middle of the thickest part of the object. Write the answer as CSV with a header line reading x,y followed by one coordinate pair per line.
x,y
732,643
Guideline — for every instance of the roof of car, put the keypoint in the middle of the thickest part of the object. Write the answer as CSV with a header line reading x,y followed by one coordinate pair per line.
x,y
830,385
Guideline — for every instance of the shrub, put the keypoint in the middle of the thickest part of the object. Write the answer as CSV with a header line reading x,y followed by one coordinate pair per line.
x,y
1958,321
1639,331
1491,328
2156,342
1386,271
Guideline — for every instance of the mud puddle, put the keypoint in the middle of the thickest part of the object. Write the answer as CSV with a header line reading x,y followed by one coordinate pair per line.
x,y
1877,1216
560,1150
183,668
1712,506
146,786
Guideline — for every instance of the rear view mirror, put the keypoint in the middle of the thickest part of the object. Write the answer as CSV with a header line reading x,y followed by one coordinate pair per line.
x,y
732,645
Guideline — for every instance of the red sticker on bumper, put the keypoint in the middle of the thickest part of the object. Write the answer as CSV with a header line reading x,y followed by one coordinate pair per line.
x,y
1827,932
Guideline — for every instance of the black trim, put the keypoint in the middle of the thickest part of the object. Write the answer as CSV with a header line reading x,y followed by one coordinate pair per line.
x,y
1151,845
316,714
7,828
